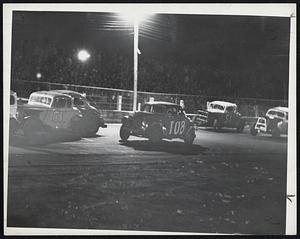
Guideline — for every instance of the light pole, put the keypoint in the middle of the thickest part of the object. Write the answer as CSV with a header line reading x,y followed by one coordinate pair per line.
x,y
135,17
135,62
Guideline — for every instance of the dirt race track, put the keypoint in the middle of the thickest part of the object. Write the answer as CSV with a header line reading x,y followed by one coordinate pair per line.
x,y
226,182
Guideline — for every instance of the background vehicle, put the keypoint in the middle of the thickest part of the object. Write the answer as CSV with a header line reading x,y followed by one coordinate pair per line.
x,y
91,117
13,113
49,111
275,122
220,114
159,120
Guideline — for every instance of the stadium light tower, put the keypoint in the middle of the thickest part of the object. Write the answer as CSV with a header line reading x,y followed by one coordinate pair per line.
x,y
135,17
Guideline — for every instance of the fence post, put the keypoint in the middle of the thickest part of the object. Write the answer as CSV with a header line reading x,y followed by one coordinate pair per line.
x,y
256,110
119,104
139,106
151,99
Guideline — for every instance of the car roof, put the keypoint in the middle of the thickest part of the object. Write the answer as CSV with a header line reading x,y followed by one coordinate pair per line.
x,y
50,93
161,103
68,92
224,103
280,108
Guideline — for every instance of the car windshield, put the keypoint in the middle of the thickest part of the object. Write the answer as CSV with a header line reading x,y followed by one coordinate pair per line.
x,y
217,107
146,108
276,113
78,102
61,103
40,99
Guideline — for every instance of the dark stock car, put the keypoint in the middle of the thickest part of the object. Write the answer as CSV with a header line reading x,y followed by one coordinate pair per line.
x,y
59,111
159,120
220,114
275,122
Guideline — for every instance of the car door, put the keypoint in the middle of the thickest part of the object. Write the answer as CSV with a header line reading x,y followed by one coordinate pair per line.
x,y
60,114
177,123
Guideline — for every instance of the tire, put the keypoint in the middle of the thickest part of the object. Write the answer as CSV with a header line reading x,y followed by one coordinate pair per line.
x,y
275,132
31,128
216,125
189,137
124,133
13,126
155,134
92,131
77,128
253,131
240,127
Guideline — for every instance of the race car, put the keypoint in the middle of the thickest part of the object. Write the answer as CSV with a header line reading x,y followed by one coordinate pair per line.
x,y
51,111
158,120
91,117
220,114
275,122
13,113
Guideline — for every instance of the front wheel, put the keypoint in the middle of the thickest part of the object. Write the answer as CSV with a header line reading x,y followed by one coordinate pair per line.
x,y
124,132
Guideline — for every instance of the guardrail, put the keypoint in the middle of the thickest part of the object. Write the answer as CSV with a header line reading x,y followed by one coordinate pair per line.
x,y
111,99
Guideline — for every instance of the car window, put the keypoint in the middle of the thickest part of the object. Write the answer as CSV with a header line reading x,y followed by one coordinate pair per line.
x,y
287,116
59,103
230,109
146,108
216,106
173,110
40,99
272,112
159,109
280,114
12,100
78,102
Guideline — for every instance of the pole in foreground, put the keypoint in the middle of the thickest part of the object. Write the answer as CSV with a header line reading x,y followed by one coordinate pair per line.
x,y
135,61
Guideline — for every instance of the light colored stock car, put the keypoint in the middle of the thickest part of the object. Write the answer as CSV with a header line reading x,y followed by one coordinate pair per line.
x,y
53,111
13,113
275,122
158,120
220,114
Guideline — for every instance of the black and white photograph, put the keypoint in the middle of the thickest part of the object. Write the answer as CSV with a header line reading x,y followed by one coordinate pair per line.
x,y
149,119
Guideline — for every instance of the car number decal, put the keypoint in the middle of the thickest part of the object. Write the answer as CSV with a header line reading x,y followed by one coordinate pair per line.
x,y
177,127
57,116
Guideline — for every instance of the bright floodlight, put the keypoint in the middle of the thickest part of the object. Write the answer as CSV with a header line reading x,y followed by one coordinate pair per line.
x,y
83,55
134,17
38,75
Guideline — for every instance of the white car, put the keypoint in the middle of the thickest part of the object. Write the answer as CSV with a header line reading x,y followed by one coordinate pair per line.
x,y
13,113
275,122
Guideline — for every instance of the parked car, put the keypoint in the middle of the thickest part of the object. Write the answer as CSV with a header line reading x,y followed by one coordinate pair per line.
x,y
51,111
158,120
91,117
220,114
275,122
13,113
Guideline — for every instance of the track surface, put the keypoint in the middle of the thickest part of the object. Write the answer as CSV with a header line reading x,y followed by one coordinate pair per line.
x,y
226,182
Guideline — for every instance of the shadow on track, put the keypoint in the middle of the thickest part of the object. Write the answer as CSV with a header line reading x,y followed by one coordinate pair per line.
x,y
20,140
222,130
165,146
281,139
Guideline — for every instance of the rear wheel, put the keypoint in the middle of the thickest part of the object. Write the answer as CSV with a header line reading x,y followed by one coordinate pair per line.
x,y
124,132
155,134
189,137
216,125
240,127
275,132
253,131
32,127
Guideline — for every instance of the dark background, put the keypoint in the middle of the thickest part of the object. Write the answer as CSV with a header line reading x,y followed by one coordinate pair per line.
x,y
232,56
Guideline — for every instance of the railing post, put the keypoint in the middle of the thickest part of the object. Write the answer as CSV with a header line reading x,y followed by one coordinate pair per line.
x,y
119,103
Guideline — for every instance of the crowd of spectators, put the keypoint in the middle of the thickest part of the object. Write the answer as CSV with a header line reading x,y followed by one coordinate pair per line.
x,y
113,69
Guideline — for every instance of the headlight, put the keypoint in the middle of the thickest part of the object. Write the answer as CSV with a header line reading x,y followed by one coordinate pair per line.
x,y
144,124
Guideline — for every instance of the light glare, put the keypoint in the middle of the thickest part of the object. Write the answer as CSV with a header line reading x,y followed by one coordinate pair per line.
x,y
83,55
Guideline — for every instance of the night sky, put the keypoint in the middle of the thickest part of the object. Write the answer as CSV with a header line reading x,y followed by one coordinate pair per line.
x,y
246,48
